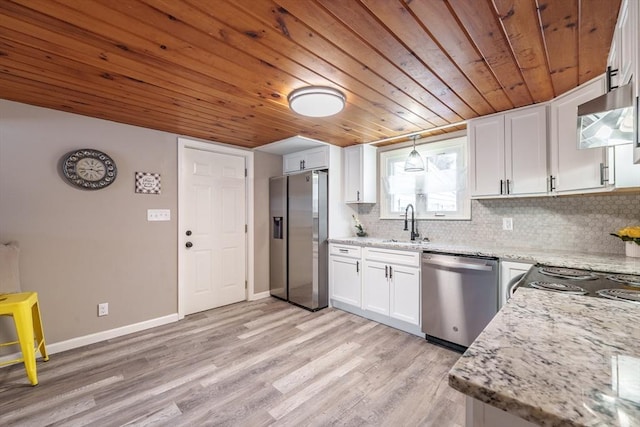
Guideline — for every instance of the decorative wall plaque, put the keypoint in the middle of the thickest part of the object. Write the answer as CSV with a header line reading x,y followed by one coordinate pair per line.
x,y
148,183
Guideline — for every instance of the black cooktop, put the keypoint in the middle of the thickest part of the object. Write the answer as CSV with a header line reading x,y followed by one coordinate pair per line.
x,y
583,282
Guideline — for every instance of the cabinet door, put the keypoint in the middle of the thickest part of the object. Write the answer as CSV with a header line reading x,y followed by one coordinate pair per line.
x,y
344,275
292,162
375,287
352,174
627,39
405,294
573,169
486,138
316,158
627,174
526,151
360,174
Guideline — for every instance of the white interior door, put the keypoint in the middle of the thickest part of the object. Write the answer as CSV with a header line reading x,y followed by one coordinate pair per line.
x,y
214,242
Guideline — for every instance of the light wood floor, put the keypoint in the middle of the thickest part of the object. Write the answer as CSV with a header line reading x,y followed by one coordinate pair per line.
x,y
249,364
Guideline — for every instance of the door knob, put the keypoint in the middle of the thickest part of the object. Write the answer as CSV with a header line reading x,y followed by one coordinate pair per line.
x,y
188,233
188,245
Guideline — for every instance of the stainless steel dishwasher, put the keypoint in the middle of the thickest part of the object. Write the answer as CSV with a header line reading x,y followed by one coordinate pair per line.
x,y
459,297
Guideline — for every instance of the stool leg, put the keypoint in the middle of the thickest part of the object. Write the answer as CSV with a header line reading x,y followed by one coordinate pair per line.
x,y
38,331
24,328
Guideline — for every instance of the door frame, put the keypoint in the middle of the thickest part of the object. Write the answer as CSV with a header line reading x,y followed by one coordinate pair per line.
x,y
187,143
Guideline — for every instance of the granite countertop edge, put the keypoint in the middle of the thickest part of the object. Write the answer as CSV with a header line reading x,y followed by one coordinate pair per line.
x,y
609,263
533,386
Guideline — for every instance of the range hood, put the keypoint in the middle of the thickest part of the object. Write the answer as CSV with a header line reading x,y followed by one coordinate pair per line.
x,y
607,120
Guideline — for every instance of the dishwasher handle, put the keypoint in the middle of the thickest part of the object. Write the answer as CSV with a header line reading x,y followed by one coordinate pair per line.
x,y
459,265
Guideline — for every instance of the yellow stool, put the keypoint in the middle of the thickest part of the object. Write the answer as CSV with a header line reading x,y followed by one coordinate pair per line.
x,y
26,315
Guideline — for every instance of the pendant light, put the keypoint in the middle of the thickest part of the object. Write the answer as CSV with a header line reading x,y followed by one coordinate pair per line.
x,y
414,162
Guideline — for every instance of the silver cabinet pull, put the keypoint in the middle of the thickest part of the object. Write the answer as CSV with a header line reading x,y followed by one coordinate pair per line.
x,y
501,186
552,183
386,271
358,195
344,251
357,266
507,187
390,273
603,169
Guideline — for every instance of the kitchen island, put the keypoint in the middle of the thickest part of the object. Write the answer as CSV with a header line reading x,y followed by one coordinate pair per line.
x,y
554,360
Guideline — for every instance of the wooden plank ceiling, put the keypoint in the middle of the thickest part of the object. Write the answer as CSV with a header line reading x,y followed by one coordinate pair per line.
x,y
221,70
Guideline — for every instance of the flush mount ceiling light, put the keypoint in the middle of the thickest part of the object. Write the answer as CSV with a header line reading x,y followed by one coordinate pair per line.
x,y
316,101
414,162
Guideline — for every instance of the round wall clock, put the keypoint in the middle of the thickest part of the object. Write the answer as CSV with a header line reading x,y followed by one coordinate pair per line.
x,y
89,169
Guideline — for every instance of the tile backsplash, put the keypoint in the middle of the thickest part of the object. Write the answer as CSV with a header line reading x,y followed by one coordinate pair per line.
x,y
580,223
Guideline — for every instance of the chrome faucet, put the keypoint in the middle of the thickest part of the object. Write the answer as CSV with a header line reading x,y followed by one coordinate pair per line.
x,y
414,231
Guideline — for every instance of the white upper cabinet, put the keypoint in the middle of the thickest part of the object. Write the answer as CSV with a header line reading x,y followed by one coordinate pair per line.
x,y
623,54
360,174
574,170
486,143
509,153
314,158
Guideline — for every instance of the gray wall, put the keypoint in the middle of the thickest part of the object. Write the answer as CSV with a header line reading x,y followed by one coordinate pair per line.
x,y
573,223
80,248
266,166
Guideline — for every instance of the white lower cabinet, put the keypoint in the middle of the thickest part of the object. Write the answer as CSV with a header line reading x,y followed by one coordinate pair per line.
x,y
379,284
479,414
345,262
376,287
405,294
346,280
392,290
391,284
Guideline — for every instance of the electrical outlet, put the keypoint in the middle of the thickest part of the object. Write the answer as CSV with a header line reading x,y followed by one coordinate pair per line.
x,y
507,224
103,309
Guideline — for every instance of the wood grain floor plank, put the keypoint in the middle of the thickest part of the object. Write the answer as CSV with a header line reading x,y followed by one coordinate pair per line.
x,y
258,363
310,370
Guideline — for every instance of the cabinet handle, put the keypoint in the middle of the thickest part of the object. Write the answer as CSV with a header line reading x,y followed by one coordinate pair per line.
x,y
603,168
501,186
610,73
357,266
386,271
358,195
390,273
552,183
507,187
304,164
344,251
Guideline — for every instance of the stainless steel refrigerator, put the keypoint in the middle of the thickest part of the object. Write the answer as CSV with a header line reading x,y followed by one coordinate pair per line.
x,y
298,251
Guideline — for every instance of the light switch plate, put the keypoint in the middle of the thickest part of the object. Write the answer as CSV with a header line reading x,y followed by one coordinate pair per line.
x,y
507,224
158,214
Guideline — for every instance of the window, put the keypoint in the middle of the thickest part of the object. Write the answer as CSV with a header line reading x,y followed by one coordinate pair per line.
x,y
440,192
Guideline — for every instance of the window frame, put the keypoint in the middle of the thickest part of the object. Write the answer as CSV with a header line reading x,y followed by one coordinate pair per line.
x,y
459,144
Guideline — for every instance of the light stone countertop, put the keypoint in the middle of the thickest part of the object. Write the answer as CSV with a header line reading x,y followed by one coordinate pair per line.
x,y
586,261
557,360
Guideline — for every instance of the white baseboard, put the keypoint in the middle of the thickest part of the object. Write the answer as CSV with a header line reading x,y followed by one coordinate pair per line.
x,y
259,295
61,346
